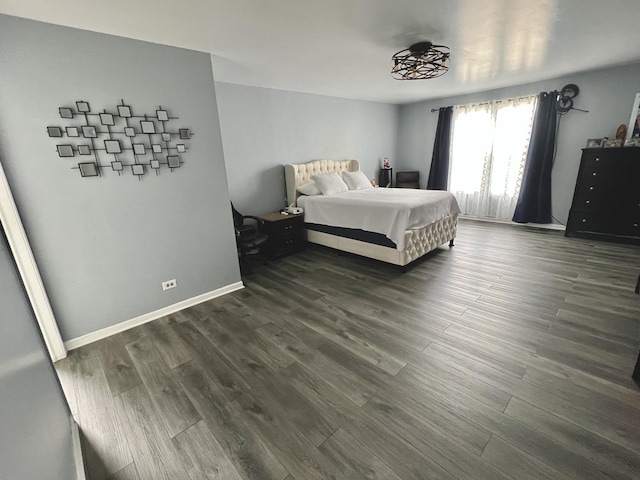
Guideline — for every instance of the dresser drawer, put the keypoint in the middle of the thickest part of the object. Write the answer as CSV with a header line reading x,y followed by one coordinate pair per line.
x,y
611,222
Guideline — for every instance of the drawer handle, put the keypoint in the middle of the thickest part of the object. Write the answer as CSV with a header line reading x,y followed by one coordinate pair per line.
x,y
590,188
635,224
588,201
594,174
584,220
597,159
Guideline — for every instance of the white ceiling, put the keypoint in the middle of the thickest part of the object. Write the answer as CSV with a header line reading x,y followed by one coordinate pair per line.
x,y
343,48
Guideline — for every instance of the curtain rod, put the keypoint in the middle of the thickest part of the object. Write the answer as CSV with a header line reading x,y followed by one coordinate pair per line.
x,y
484,103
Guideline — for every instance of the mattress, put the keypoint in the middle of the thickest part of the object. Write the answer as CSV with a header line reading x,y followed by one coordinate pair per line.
x,y
387,211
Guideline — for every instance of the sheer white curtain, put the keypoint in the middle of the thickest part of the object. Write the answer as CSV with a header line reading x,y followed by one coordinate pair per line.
x,y
488,153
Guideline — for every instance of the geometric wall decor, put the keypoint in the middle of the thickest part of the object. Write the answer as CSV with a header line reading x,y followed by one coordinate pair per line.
x,y
119,140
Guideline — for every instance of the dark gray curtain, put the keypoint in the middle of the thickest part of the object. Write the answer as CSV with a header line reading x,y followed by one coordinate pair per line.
x,y
534,201
439,173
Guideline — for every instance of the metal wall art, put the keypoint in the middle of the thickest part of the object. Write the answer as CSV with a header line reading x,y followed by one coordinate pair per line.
x,y
137,143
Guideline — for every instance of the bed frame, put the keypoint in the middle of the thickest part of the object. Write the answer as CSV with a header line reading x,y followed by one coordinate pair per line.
x,y
417,242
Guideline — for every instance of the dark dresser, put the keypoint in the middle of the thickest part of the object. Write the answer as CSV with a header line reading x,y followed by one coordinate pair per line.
x,y
606,201
285,234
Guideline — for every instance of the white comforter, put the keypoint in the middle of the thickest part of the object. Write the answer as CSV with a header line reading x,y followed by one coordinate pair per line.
x,y
389,211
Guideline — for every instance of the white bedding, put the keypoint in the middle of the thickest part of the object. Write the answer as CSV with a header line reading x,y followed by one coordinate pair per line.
x,y
389,211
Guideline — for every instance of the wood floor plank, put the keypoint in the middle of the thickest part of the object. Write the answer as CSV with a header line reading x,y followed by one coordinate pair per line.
x,y
454,458
430,415
127,473
217,367
402,457
623,330
104,441
517,463
301,458
581,396
245,333
153,452
202,455
173,350
355,388
518,434
355,460
174,408
622,463
118,368
335,330
251,457
434,370
249,362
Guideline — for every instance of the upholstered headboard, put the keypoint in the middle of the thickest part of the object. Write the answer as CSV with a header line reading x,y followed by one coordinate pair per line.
x,y
300,173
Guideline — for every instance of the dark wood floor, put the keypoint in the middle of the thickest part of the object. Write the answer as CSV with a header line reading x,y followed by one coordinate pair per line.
x,y
506,357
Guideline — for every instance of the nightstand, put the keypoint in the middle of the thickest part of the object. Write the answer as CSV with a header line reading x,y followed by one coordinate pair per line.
x,y
285,234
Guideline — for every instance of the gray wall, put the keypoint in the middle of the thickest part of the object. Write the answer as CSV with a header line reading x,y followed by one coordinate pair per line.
x,y
263,129
607,94
104,245
35,426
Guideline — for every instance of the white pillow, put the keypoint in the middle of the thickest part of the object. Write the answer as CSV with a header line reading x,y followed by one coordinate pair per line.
x,y
356,180
309,189
330,183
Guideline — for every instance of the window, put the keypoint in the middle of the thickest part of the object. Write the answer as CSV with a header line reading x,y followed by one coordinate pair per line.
x,y
488,153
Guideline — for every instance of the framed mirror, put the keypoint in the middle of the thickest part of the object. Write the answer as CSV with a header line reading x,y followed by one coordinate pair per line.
x,y
72,132
162,115
84,150
65,112
117,166
633,129
147,126
106,119
65,150
89,131
138,149
82,106
54,131
137,169
173,161
88,169
124,111
112,146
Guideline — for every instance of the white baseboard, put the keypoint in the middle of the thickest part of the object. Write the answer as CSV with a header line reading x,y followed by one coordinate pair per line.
x,y
148,317
548,226
76,444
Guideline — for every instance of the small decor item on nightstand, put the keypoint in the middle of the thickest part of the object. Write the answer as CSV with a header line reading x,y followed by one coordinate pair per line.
x,y
385,163
291,210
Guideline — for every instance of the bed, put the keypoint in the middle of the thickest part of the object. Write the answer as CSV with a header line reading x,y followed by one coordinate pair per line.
x,y
357,232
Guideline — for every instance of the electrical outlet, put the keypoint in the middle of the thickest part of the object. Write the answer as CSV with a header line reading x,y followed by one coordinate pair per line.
x,y
169,284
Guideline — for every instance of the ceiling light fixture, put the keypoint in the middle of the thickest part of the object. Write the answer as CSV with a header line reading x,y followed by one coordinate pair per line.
x,y
421,61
